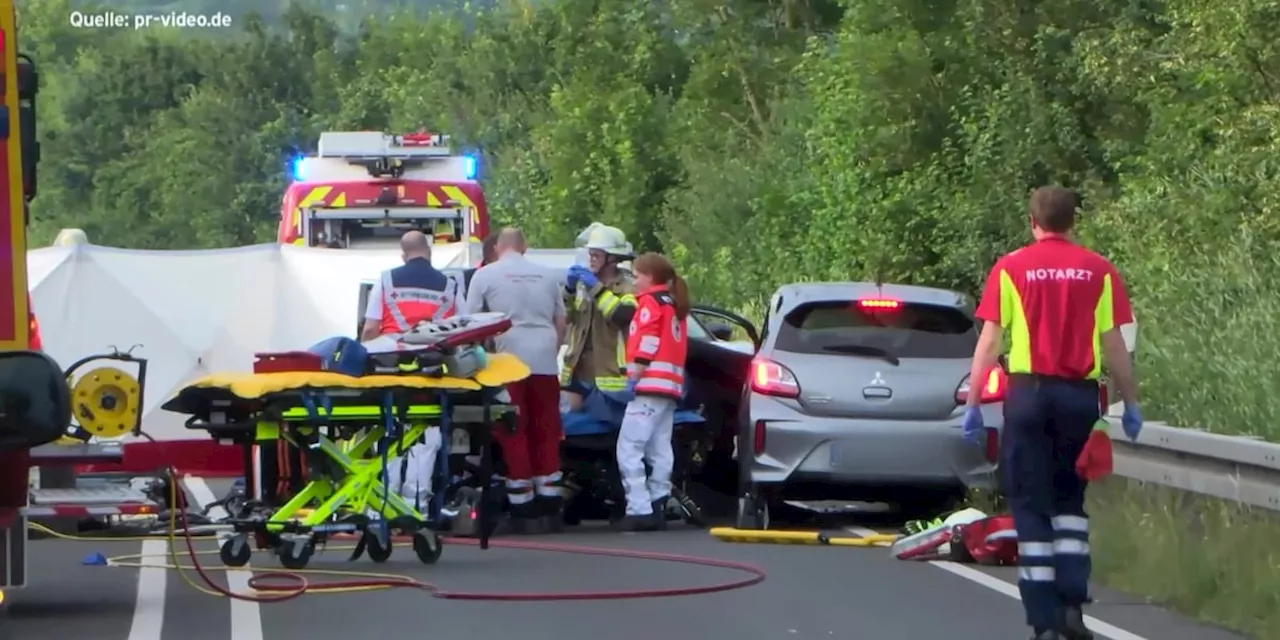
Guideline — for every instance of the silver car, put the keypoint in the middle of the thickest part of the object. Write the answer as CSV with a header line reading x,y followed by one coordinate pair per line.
x,y
857,393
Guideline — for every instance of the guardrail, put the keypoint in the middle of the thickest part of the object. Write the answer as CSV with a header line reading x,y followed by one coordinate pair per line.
x,y
1244,469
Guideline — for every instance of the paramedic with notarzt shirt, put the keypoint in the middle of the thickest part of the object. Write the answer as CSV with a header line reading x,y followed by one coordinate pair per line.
x,y
532,296
1063,306
411,293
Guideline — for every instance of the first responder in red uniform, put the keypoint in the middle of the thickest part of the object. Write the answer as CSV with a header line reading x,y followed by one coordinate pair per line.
x,y
411,293
657,344
1062,306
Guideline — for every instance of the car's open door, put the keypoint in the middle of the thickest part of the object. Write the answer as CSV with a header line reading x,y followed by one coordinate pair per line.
x,y
718,372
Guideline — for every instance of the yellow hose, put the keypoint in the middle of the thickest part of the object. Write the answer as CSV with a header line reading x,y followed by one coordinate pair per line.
x,y
729,534
139,561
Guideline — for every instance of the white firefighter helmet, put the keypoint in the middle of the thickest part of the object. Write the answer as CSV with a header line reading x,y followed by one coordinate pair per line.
x,y
610,240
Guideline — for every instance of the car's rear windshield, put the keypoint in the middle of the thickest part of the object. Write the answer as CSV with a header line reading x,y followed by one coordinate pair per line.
x,y
909,331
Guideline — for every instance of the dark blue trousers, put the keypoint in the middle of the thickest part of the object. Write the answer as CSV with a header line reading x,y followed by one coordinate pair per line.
x,y
1046,424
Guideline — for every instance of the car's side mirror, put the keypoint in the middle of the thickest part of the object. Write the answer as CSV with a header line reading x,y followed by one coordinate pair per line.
x,y
720,330
35,403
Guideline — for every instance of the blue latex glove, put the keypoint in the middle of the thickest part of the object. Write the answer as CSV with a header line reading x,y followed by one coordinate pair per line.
x,y
583,274
575,276
972,425
1131,420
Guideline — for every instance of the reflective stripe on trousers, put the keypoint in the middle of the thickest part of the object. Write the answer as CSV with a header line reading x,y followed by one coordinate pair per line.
x,y
548,486
519,491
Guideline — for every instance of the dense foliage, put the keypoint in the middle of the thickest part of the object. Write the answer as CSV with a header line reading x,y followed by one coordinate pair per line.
x,y
759,141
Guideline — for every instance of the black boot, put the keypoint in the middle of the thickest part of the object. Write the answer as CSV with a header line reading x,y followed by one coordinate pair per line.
x,y
1073,624
526,519
1048,635
635,523
660,514
551,512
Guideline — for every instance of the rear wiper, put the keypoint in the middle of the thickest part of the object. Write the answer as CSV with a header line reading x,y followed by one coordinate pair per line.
x,y
860,350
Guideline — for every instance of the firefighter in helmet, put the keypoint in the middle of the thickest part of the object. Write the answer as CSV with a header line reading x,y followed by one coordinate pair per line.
x,y
600,305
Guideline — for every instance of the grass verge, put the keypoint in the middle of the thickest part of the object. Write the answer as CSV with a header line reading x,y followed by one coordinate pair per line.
x,y
1209,558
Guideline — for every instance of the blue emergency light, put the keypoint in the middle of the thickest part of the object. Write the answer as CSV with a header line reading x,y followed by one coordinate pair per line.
x,y
470,166
295,169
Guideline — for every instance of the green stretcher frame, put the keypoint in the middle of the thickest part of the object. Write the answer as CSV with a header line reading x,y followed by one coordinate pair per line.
x,y
359,485
359,488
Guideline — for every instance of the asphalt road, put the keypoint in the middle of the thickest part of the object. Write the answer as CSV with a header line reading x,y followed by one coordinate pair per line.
x,y
810,592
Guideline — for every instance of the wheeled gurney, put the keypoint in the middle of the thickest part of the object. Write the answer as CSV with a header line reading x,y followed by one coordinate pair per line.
x,y
346,428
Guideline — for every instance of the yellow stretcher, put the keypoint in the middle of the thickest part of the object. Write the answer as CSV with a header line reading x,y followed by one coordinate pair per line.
x,y
344,418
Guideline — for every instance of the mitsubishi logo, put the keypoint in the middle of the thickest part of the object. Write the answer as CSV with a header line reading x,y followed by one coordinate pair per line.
x,y
877,381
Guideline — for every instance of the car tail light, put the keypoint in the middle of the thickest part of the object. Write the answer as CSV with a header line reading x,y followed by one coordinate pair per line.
x,y
772,379
758,440
992,391
879,304
992,448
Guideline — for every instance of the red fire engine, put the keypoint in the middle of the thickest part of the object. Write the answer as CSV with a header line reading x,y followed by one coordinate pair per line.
x,y
364,189
35,401
17,335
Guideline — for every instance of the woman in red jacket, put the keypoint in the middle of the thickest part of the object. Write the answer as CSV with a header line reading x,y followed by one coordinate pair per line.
x,y
657,344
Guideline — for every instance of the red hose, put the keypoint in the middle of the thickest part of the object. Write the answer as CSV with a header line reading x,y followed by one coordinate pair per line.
x,y
285,585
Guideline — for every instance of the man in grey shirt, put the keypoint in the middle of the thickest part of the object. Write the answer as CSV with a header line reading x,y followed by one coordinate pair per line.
x,y
531,295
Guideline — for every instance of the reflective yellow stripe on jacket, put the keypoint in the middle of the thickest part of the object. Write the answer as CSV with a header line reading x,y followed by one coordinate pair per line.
x,y
608,302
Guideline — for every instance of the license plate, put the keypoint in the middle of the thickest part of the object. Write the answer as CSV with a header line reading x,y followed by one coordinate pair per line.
x,y
459,441
837,455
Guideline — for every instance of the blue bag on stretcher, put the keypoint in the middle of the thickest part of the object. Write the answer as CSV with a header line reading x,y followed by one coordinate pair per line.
x,y
342,355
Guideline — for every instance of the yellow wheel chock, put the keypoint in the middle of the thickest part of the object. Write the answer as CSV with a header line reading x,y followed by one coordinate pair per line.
x,y
729,534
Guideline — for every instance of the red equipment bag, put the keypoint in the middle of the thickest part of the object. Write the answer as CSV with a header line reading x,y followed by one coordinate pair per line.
x,y
1096,460
989,541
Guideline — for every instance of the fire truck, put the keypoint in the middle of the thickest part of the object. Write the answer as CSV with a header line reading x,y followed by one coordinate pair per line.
x,y
20,360
36,398
364,189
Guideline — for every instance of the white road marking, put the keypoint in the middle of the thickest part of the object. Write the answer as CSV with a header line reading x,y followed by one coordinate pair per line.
x,y
1000,586
148,610
1097,626
246,617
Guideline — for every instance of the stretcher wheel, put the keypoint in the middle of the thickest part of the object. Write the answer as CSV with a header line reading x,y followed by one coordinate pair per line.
x,y
235,551
295,554
427,545
373,546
